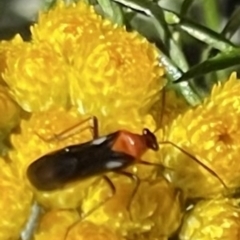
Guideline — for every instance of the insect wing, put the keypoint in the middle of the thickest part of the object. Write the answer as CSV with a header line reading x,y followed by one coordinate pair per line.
x,y
77,162
51,171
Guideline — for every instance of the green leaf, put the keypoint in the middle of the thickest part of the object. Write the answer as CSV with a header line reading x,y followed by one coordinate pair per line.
x,y
150,9
172,70
220,62
185,7
210,10
233,24
206,35
112,11
174,73
171,17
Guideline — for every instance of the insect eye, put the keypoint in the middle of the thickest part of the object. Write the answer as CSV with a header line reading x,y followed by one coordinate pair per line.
x,y
151,139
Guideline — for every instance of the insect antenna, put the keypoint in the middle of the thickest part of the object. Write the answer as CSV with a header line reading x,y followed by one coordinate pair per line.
x,y
197,161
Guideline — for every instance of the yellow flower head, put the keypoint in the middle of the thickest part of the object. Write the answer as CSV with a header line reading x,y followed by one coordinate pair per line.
x,y
55,223
67,26
212,219
155,210
9,112
211,134
156,204
77,55
120,71
15,202
37,76
5,47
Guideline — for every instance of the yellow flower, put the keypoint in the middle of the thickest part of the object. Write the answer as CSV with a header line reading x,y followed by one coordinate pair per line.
x,y
6,46
88,230
68,26
15,202
120,71
211,134
122,68
10,112
55,223
3,51
158,207
37,76
74,50
212,219
156,212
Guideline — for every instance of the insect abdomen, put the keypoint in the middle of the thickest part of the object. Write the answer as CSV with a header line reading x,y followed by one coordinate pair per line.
x,y
49,173
74,163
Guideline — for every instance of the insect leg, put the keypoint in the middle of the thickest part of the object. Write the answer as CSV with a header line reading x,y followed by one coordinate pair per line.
x,y
136,179
197,161
93,126
160,165
113,192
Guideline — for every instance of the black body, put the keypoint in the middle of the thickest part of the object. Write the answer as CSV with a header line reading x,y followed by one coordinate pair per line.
x,y
77,162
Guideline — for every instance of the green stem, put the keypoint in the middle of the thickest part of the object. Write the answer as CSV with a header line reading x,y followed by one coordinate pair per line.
x,y
212,20
211,13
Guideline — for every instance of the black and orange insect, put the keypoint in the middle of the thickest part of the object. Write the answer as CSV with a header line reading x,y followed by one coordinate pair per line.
x,y
110,153
113,152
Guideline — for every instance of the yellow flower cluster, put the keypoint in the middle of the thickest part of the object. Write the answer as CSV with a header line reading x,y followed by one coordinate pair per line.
x,y
113,219
74,51
209,134
212,219
79,65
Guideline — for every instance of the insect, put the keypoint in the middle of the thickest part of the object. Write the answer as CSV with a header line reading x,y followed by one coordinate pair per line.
x,y
110,153
113,152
